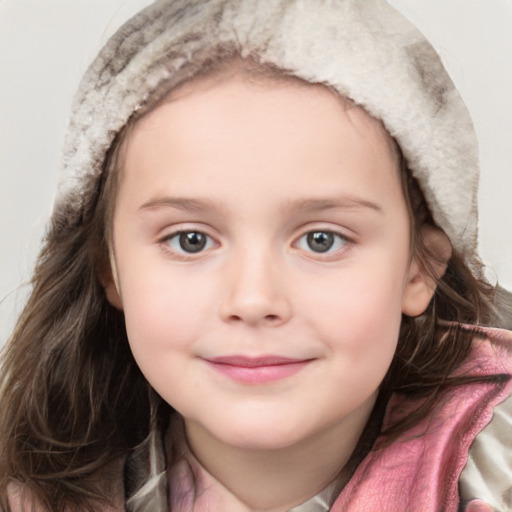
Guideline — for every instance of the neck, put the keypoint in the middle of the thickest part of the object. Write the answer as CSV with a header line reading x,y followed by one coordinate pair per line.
x,y
275,480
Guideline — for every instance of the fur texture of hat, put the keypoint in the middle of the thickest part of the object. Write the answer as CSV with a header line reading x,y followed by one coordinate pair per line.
x,y
365,50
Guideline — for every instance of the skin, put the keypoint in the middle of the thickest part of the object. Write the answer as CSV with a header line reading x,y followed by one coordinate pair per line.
x,y
256,167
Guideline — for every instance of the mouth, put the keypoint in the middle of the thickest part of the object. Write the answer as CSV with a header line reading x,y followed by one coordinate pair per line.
x,y
257,370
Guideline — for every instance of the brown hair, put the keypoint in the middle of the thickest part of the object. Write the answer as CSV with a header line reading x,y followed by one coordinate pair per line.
x,y
433,345
74,400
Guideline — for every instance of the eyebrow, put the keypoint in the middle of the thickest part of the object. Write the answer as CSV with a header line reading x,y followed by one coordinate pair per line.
x,y
302,204
181,203
346,203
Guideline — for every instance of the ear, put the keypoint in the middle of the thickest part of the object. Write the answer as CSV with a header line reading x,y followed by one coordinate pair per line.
x,y
110,283
112,294
422,278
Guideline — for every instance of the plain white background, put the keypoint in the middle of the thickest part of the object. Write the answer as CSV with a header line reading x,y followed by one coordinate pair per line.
x,y
45,46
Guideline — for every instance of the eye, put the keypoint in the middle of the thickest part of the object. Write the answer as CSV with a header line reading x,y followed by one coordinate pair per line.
x,y
321,241
188,242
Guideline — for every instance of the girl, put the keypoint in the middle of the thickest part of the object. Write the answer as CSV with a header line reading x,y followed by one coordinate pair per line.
x,y
259,289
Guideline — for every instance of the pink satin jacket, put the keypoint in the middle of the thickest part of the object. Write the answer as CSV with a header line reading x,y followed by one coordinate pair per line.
x,y
420,471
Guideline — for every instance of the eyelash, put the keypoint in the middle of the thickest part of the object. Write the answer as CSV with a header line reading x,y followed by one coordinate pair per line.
x,y
339,241
179,237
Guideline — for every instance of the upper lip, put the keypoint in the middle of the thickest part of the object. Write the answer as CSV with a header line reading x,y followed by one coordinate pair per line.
x,y
253,362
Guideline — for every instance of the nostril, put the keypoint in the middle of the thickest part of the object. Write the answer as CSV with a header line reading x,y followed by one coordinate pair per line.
x,y
270,319
254,309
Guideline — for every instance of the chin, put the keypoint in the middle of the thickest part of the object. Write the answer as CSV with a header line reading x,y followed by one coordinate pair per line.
x,y
262,435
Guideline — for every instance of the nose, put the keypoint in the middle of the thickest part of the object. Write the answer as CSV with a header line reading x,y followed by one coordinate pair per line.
x,y
255,291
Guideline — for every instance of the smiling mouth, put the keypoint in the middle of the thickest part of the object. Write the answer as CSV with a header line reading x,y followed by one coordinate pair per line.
x,y
257,370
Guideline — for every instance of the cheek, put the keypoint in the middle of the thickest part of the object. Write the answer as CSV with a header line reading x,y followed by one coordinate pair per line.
x,y
160,330
359,317
166,311
369,298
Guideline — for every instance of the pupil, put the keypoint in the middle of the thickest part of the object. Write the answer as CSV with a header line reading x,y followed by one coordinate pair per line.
x,y
320,241
192,241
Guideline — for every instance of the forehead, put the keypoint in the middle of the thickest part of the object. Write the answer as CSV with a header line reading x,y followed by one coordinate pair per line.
x,y
260,77
231,124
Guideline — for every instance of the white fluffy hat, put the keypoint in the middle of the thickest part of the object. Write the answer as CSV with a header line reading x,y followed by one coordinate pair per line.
x,y
364,49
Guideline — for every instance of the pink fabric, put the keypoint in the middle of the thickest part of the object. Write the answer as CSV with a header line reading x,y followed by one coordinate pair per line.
x,y
420,472
22,502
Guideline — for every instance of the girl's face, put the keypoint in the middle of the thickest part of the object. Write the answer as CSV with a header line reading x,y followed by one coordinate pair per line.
x,y
261,240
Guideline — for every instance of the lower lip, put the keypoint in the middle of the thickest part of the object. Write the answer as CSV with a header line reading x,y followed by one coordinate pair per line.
x,y
258,374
